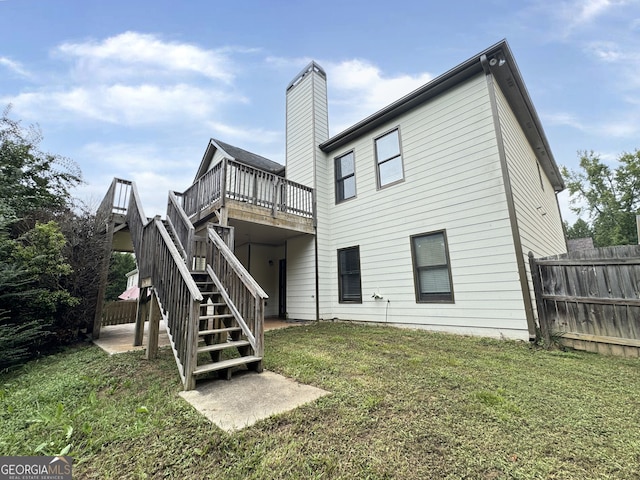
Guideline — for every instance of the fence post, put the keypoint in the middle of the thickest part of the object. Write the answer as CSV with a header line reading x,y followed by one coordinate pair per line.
x,y
543,321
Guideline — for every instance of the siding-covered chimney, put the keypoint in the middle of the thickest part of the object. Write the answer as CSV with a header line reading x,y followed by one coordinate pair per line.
x,y
307,123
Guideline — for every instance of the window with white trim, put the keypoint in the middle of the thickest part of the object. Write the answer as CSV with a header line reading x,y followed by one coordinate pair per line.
x,y
431,267
389,158
345,168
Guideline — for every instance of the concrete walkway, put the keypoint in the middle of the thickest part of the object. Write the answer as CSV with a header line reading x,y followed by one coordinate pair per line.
x,y
248,397
230,404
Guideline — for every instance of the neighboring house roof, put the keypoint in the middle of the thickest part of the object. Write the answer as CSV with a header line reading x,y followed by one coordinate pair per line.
x,y
240,155
131,293
496,59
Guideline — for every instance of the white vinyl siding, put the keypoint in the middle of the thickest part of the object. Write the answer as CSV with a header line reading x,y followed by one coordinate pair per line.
x,y
216,159
307,127
537,211
301,284
453,181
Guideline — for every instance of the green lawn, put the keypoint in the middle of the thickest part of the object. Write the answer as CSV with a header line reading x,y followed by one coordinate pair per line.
x,y
405,404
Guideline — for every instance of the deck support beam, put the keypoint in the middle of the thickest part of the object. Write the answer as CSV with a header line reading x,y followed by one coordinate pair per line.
x,y
154,328
141,315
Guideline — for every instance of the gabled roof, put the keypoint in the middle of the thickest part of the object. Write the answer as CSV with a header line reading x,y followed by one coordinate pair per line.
x,y
497,60
238,154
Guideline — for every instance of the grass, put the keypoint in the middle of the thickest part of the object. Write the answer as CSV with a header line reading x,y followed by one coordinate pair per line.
x,y
404,404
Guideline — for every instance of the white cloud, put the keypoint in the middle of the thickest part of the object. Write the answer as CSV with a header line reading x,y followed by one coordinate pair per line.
x,y
154,169
618,126
130,105
625,128
563,119
359,88
288,63
14,66
591,9
123,157
612,52
570,19
136,54
254,135
132,79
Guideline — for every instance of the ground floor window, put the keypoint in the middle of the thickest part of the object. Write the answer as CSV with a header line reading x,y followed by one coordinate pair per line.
x,y
349,285
431,267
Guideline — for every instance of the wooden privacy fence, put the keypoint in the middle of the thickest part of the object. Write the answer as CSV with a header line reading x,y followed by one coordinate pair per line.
x,y
121,312
118,313
590,300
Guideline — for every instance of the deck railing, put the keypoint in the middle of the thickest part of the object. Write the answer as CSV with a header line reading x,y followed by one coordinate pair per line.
x,y
233,180
180,298
244,297
116,200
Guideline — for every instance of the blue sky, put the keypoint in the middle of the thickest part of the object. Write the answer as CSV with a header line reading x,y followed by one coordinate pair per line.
x,y
136,88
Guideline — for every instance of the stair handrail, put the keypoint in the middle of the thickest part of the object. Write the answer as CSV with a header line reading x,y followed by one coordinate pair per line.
x,y
182,227
243,294
180,299
177,259
159,261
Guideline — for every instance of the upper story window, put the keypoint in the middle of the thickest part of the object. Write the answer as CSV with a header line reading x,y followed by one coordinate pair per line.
x,y
345,177
431,267
389,159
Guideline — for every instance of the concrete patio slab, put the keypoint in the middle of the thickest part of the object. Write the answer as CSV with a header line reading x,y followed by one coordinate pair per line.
x,y
119,338
230,404
248,397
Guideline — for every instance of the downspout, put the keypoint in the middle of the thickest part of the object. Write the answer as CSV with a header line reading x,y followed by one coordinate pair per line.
x,y
513,219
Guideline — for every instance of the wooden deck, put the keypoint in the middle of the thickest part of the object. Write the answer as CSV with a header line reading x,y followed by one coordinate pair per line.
x,y
235,191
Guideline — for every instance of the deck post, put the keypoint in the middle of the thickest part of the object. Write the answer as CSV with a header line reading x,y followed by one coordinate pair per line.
x,y
103,276
141,315
154,328
223,182
191,360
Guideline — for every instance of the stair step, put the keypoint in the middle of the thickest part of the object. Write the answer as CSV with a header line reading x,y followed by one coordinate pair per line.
x,y
234,362
213,317
210,293
219,330
222,346
206,305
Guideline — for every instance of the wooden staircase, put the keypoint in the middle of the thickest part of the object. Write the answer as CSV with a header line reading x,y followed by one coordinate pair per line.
x,y
212,306
222,344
